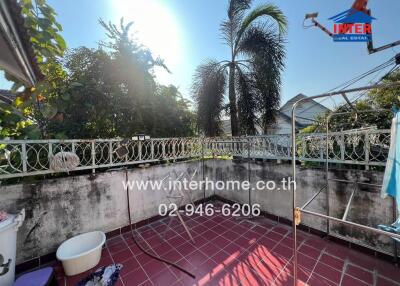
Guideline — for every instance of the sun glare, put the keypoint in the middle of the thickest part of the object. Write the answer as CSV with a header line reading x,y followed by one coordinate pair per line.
x,y
154,26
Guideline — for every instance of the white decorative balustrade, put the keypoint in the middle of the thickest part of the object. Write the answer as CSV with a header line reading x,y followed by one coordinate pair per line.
x,y
20,158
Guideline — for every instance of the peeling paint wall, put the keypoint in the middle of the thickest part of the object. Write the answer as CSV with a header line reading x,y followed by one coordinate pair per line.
x,y
367,208
60,208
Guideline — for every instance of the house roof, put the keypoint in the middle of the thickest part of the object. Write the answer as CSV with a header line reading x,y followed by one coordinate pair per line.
x,y
293,100
17,57
289,119
226,124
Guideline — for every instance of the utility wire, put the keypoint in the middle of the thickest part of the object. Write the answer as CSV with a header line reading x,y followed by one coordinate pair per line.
x,y
348,83
395,68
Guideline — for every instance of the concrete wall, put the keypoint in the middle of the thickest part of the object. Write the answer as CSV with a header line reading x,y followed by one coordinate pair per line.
x,y
368,208
60,208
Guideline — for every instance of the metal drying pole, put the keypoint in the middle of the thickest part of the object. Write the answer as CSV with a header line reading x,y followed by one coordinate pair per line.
x,y
297,211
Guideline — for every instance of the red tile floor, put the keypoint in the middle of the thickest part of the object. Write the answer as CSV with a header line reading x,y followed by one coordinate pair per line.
x,y
229,251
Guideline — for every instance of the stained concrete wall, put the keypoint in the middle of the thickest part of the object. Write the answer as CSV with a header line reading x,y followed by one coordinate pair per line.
x,y
60,208
367,208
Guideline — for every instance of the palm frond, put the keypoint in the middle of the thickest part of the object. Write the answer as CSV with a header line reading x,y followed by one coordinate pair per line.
x,y
247,105
209,87
260,39
237,8
230,26
265,50
160,62
268,10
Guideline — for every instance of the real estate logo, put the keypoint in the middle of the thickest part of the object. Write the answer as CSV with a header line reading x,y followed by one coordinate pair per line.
x,y
352,26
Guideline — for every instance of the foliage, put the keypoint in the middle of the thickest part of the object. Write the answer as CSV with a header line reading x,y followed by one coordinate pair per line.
x,y
112,92
90,93
12,126
252,73
48,46
40,19
209,79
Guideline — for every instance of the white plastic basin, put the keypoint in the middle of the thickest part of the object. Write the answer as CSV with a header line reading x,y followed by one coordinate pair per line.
x,y
81,252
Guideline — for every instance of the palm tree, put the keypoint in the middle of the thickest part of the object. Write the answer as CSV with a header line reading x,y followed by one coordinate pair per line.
x,y
251,76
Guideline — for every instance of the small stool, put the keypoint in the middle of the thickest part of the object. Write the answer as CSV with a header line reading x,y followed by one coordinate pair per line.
x,y
41,277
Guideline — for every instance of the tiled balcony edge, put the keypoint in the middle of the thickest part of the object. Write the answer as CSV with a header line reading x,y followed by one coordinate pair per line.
x,y
338,240
45,259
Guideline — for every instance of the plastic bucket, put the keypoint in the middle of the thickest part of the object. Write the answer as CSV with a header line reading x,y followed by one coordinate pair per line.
x,y
8,247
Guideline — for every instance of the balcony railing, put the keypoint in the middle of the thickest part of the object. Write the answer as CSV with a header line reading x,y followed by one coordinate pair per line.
x,y
20,158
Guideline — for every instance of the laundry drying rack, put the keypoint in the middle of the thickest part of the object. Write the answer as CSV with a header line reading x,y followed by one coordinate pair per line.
x,y
299,210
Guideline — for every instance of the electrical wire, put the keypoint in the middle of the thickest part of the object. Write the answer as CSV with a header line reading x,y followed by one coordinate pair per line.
x,y
356,79
364,75
138,244
392,70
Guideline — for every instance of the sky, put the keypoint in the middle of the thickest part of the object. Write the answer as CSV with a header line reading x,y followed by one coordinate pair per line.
x,y
186,32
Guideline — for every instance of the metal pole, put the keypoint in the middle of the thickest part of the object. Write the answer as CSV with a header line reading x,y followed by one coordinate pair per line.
x,y
313,197
384,85
202,169
327,173
248,169
376,230
294,230
327,169
355,182
346,212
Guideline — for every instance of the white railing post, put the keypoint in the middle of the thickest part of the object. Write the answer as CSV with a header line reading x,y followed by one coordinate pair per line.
x,y
367,147
110,152
50,153
93,144
173,149
321,148
139,150
152,148
24,158
342,147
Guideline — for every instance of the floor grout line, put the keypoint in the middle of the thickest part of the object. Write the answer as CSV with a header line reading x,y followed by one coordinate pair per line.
x,y
112,259
133,255
375,276
315,266
344,268
210,224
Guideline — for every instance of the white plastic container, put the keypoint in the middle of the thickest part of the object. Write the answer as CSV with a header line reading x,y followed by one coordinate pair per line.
x,y
82,252
8,247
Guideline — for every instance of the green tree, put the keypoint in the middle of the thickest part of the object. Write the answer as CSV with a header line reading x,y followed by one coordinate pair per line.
x,y
92,93
99,101
133,67
48,47
251,77
85,101
173,116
